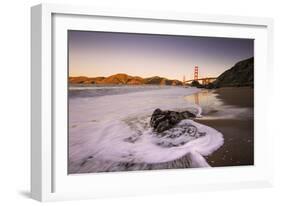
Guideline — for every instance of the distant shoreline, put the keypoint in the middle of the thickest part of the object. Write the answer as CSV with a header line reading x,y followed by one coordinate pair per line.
x,y
124,79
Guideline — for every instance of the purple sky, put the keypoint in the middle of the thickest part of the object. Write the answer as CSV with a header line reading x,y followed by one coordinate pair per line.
x,y
105,53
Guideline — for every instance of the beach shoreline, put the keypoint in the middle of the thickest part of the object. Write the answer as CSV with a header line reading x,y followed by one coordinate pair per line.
x,y
94,146
238,134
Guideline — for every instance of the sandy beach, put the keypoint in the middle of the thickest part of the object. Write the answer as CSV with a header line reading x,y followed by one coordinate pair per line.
x,y
238,147
112,132
105,137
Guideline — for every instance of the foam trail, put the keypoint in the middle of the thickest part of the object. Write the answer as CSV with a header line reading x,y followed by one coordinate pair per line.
x,y
112,133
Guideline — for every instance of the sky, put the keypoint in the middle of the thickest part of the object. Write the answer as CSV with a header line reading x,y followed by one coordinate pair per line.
x,y
95,54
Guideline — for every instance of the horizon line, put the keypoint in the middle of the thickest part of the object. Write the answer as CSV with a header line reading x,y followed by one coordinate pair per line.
x,y
140,77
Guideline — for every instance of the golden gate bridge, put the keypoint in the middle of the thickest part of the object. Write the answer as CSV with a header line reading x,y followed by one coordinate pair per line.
x,y
203,81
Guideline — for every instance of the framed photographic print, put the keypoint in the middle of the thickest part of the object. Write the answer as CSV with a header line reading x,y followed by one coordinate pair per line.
x,y
137,102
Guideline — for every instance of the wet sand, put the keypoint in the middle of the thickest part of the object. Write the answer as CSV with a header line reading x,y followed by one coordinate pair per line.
x,y
237,130
238,147
237,96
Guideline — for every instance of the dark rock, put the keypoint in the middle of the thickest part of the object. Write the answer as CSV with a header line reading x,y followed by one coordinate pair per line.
x,y
210,86
241,74
164,120
195,83
86,160
131,139
186,132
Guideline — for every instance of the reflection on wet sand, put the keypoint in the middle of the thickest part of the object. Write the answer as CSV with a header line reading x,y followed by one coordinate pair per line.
x,y
205,98
230,111
214,107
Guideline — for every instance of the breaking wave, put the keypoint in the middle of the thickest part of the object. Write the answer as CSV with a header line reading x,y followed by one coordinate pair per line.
x,y
112,133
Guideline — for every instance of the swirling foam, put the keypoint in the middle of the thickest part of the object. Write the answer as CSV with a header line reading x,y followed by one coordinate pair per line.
x,y
115,129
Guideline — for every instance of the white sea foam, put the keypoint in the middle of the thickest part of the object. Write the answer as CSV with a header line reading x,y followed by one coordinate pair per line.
x,y
115,128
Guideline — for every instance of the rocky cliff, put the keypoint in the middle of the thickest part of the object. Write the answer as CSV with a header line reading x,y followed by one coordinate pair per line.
x,y
241,74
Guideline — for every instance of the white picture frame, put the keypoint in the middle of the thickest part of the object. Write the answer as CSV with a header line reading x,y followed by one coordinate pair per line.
x,y
49,179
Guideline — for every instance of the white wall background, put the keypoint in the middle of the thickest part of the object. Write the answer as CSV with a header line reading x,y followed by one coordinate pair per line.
x,y
15,95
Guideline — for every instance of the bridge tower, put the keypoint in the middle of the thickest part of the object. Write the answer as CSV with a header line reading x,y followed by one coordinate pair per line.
x,y
183,80
196,73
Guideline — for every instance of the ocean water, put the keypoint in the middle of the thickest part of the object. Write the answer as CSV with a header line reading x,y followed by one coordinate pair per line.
x,y
214,108
109,130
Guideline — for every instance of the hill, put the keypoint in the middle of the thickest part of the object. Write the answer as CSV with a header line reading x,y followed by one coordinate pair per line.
x,y
241,74
123,79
